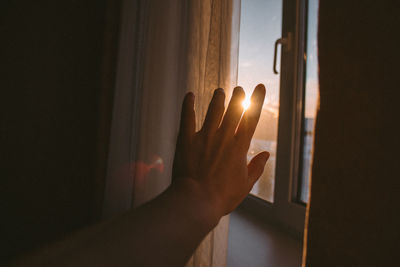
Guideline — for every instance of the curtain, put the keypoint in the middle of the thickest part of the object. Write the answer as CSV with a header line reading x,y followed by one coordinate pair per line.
x,y
166,49
209,66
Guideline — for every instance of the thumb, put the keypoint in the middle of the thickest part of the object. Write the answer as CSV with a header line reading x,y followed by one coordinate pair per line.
x,y
256,166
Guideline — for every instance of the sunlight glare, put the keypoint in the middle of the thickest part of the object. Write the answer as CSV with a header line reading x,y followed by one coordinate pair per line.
x,y
246,103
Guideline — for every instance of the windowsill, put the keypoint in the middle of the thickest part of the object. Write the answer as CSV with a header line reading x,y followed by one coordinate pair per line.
x,y
255,243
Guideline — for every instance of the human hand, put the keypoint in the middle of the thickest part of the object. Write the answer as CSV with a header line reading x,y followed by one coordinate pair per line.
x,y
214,159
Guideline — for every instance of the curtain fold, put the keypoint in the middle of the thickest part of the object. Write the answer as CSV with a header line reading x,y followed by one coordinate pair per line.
x,y
179,46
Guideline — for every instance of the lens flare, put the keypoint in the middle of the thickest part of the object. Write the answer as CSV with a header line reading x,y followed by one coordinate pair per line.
x,y
246,103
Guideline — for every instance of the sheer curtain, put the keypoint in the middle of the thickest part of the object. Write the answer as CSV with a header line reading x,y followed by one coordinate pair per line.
x,y
211,60
166,49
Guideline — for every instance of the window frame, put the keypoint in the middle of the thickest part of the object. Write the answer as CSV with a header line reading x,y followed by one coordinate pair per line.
x,y
286,211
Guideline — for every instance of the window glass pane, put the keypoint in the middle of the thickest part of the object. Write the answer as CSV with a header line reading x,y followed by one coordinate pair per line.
x,y
260,26
311,97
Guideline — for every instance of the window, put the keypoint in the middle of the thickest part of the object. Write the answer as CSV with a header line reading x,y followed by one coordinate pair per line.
x,y
287,120
260,26
310,100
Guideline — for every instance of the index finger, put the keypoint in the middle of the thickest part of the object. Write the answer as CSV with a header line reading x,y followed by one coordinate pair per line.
x,y
251,116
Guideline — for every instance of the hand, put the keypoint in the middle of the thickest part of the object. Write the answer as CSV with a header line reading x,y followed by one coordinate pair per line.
x,y
214,159
210,178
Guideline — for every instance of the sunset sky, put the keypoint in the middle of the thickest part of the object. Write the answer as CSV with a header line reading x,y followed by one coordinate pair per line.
x,y
259,29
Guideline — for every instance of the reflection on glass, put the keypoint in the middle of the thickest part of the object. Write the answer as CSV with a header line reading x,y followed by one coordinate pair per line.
x,y
260,26
311,98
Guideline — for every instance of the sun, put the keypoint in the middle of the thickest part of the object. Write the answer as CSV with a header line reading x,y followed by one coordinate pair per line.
x,y
246,103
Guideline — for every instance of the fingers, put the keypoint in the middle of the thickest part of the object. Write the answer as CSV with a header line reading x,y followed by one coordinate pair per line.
x,y
186,131
250,118
234,111
215,112
188,123
256,167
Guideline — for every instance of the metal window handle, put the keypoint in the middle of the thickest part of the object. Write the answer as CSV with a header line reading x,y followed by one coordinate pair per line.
x,y
285,42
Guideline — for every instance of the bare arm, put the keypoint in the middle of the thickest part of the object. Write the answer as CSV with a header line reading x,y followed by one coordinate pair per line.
x,y
210,178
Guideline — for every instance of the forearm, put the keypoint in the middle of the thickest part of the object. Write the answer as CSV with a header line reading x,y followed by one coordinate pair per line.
x,y
166,231
163,232
175,222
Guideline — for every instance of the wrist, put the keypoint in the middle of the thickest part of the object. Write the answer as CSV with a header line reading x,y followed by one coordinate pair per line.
x,y
196,203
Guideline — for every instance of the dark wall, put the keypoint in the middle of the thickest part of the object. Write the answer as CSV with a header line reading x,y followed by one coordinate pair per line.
x,y
354,217
56,73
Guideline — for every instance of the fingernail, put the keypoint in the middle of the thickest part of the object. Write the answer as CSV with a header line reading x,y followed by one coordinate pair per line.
x,y
266,156
218,90
238,91
261,87
190,96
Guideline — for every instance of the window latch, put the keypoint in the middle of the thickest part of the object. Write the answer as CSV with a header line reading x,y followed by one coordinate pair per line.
x,y
286,44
